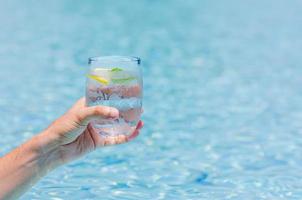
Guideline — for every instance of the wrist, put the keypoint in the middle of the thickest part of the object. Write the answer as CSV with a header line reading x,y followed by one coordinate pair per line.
x,y
45,150
24,166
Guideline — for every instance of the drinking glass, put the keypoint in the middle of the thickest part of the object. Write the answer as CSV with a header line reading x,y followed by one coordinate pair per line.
x,y
115,81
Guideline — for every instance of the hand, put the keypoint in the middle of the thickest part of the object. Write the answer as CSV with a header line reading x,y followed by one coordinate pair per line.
x,y
67,138
72,135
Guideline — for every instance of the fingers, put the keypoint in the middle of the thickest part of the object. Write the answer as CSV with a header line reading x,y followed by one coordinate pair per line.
x,y
101,141
124,138
140,125
136,131
113,140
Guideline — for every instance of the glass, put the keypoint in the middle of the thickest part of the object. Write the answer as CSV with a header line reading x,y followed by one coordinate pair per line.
x,y
115,81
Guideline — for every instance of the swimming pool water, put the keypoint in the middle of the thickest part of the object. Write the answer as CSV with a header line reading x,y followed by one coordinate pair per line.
x,y
222,94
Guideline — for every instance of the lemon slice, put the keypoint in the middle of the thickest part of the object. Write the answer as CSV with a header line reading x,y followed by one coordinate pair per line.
x,y
101,69
115,75
99,79
119,76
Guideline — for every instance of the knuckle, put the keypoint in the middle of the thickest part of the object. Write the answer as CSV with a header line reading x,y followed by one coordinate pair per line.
x,y
79,117
98,110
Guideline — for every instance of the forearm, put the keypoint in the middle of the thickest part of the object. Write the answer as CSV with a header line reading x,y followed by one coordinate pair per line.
x,y
67,138
24,166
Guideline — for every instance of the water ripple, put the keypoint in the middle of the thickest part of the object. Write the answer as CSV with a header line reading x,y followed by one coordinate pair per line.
x,y
222,95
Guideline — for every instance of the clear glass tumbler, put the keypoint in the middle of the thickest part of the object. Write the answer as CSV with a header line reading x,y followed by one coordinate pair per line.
x,y
115,81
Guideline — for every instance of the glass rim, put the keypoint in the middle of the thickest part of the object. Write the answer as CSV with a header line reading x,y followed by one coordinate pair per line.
x,y
115,59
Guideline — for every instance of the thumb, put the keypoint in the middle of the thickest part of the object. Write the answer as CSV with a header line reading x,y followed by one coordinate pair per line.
x,y
86,114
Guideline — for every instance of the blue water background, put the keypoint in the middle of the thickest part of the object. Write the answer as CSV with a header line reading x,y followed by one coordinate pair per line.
x,y
222,94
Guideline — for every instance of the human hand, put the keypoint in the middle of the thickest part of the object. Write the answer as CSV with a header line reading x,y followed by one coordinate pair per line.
x,y
69,137
72,136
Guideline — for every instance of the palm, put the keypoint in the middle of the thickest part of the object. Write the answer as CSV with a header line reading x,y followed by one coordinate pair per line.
x,y
89,140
